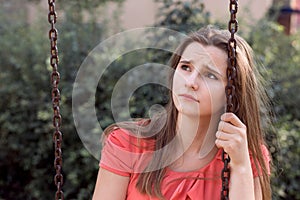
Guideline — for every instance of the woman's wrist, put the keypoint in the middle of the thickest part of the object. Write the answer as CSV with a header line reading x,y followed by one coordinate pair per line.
x,y
242,168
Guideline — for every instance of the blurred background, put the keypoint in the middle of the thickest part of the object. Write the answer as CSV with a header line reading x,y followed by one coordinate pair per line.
x,y
26,148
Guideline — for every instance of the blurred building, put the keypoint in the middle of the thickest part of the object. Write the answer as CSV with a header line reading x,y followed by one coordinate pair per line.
x,y
140,13
289,15
137,13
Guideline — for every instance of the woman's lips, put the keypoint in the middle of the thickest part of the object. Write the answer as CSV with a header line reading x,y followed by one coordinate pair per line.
x,y
190,97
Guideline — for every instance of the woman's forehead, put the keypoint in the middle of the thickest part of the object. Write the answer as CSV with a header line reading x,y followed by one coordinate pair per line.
x,y
197,53
194,51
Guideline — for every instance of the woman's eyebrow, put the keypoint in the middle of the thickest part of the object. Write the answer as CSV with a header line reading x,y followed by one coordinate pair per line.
x,y
185,61
212,69
207,67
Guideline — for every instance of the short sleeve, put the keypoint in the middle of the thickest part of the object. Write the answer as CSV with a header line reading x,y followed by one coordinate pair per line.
x,y
267,160
124,154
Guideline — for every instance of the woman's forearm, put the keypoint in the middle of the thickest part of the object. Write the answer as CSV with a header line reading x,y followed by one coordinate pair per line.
x,y
241,183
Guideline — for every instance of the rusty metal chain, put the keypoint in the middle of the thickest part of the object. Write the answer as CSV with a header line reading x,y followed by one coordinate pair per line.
x,y
230,90
225,176
55,78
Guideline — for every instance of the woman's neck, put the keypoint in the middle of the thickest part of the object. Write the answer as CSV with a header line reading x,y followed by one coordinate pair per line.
x,y
197,134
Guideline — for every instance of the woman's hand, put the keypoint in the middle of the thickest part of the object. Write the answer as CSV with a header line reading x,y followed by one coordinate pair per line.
x,y
232,137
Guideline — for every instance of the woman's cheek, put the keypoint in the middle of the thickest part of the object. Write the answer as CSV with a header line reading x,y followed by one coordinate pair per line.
x,y
218,98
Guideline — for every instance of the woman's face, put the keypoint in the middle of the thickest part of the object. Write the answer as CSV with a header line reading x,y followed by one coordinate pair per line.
x,y
199,81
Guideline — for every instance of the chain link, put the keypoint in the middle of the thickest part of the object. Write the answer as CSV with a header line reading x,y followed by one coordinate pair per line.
x,y
230,90
55,94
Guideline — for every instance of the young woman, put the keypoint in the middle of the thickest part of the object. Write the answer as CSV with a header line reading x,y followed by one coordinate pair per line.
x,y
182,159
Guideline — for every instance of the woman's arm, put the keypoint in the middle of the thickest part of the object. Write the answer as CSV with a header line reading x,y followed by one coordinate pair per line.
x,y
110,186
241,183
257,189
251,188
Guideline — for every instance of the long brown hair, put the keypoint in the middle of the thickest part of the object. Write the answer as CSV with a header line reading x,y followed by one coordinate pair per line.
x,y
251,97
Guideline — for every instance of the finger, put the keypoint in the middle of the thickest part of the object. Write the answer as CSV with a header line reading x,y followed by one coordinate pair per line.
x,y
228,145
223,140
233,119
220,135
222,144
228,127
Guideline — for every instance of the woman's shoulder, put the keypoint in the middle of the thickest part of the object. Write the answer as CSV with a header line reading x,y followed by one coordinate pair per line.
x,y
124,152
129,140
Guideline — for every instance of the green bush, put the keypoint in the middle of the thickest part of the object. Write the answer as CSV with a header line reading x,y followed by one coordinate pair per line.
x,y
26,149
281,61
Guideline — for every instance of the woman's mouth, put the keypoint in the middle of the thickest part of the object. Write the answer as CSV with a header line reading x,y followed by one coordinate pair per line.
x,y
189,97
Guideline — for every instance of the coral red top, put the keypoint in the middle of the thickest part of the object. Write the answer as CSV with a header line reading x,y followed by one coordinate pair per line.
x,y
125,155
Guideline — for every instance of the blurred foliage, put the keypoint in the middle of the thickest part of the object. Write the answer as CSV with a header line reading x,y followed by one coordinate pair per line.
x,y
285,180
280,55
26,151
142,98
182,16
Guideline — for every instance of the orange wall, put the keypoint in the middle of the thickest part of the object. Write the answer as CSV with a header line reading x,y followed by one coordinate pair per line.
x,y
138,13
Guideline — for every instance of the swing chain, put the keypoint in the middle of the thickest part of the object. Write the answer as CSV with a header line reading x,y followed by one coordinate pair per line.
x,y
230,90
55,94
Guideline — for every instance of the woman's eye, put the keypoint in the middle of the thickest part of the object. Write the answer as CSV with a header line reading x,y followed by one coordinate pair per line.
x,y
211,76
186,68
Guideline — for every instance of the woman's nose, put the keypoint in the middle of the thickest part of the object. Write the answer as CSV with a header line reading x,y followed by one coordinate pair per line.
x,y
192,81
